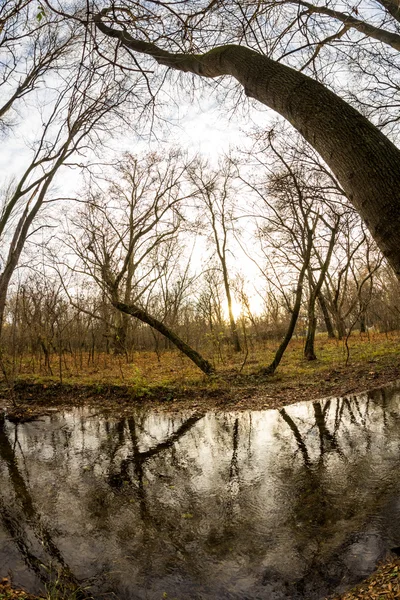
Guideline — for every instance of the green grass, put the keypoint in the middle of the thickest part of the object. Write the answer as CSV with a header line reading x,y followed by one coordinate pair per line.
x,y
147,374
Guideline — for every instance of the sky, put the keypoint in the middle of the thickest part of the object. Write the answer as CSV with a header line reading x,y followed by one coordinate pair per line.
x,y
200,126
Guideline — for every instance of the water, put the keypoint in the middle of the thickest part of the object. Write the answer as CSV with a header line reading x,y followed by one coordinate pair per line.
x,y
294,503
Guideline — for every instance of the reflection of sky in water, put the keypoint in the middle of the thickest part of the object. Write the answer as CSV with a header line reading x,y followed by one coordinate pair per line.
x,y
295,503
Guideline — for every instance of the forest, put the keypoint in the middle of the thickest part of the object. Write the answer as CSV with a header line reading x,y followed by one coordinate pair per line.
x,y
200,212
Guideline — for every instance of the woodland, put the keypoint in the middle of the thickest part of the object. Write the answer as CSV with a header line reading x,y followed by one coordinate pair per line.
x,y
290,233
199,206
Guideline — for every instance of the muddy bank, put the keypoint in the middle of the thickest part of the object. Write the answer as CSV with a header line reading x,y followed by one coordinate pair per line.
x,y
383,584
232,391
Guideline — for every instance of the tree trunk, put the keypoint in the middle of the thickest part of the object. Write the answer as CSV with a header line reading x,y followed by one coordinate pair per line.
x,y
309,352
142,315
270,370
232,323
340,326
315,291
341,330
326,315
46,352
21,233
362,158
3,299
119,338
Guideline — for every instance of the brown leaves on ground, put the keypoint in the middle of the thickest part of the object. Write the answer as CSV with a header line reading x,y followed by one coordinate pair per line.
x,y
221,393
7,592
384,584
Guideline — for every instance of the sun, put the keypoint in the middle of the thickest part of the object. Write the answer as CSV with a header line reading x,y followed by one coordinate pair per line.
x,y
237,309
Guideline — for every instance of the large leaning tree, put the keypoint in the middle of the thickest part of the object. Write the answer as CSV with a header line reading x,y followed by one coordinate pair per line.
x,y
312,63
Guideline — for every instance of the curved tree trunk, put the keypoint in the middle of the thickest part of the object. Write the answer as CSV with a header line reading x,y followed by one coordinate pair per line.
x,y
270,370
142,315
365,162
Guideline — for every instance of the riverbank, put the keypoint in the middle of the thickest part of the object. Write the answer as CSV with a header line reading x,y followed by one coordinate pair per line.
x,y
227,390
383,584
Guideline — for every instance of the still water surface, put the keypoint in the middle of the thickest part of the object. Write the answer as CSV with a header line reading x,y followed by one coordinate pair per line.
x,y
294,503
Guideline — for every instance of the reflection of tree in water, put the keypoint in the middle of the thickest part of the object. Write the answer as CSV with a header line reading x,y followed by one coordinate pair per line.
x,y
229,525
19,523
131,468
209,501
343,427
346,412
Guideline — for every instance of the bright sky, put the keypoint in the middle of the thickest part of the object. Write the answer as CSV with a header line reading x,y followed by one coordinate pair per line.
x,y
200,126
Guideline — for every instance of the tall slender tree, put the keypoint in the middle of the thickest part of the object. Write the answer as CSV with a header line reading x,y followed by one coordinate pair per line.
x,y
215,188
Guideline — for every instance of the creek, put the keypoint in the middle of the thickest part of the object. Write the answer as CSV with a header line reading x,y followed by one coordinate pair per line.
x,y
295,503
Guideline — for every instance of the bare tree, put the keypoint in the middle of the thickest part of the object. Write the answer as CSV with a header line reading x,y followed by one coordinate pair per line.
x,y
123,228
33,47
362,158
216,191
77,118
287,227
299,217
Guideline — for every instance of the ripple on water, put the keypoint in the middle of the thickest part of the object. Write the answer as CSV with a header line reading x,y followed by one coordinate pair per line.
x,y
290,503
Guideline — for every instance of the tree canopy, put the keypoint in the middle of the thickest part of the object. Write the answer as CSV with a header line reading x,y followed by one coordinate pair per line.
x,y
309,37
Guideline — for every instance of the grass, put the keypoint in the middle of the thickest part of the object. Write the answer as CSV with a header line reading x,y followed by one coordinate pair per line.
x,y
173,369
174,383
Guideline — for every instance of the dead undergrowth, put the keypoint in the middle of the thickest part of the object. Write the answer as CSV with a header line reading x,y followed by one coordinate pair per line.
x,y
383,584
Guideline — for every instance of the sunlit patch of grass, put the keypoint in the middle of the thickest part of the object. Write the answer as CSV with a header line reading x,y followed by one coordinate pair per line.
x,y
146,370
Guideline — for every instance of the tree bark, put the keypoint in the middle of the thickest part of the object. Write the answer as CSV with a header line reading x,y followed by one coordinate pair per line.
x,y
378,33
142,315
364,161
315,290
309,351
119,339
326,315
232,323
270,370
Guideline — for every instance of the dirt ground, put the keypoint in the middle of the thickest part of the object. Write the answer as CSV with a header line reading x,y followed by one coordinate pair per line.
x,y
224,392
